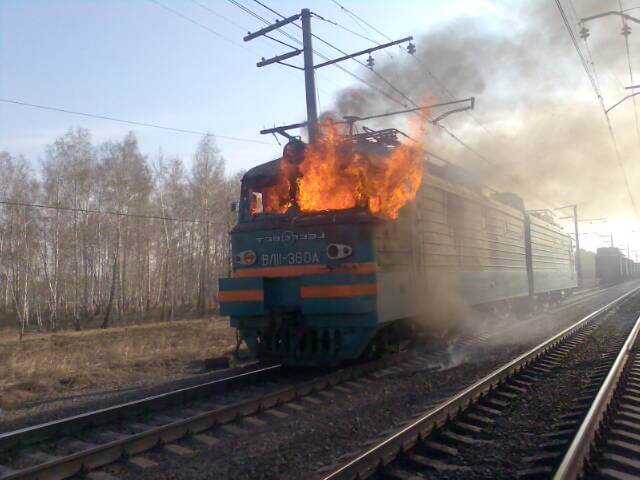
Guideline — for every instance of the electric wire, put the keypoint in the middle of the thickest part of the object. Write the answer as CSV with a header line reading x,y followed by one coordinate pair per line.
x,y
625,33
442,127
244,29
596,88
583,60
202,25
108,212
325,57
320,54
444,91
346,29
376,73
358,22
353,15
219,15
212,31
447,94
411,101
389,84
445,129
133,122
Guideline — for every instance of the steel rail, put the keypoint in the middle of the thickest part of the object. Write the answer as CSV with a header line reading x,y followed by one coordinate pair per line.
x,y
386,451
579,452
96,456
42,432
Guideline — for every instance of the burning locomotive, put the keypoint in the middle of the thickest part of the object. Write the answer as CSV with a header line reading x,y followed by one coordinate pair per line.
x,y
339,243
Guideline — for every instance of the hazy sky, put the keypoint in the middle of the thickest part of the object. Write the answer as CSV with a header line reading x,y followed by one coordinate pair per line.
x,y
134,59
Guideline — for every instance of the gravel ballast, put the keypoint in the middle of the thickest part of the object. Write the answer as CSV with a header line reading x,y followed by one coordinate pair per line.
x,y
344,422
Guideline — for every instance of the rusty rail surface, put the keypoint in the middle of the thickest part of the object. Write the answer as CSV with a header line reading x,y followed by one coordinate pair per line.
x,y
403,440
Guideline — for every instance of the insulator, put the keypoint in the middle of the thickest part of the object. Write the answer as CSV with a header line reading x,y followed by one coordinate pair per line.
x,y
584,33
293,152
370,62
411,48
626,30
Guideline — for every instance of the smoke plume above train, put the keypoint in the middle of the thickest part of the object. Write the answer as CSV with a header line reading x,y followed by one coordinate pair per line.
x,y
537,121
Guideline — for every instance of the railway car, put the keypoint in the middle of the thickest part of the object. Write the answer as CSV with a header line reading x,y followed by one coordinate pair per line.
x,y
324,287
553,270
588,264
610,265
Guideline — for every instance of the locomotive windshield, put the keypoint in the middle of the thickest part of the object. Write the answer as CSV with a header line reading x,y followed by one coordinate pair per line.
x,y
264,192
263,201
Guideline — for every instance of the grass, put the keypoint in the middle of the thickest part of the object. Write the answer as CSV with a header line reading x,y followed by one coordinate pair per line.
x,y
46,366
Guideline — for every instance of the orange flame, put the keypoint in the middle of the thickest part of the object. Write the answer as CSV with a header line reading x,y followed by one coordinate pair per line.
x,y
334,176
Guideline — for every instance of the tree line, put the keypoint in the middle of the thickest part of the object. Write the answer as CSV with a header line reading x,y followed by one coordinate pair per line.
x,y
64,265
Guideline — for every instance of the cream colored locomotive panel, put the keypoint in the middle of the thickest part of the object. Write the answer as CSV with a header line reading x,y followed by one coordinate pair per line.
x,y
479,237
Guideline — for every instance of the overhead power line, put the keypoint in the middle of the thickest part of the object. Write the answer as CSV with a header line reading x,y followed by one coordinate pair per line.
x,y
446,93
317,52
405,96
201,25
440,84
133,122
443,128
594,83
352,32
107,212
626,32
212,31
353,15
325,57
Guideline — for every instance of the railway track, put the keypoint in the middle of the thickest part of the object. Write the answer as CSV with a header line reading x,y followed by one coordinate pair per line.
x,y
607,443
61,449
85,443
441,442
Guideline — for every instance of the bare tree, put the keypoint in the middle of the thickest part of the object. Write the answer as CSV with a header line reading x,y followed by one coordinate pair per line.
x,y
62,267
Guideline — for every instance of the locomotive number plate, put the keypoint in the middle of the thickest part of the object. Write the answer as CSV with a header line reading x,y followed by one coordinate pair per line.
x,y
291,258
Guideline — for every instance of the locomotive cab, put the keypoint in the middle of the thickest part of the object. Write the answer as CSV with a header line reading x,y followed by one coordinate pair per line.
x,y
303,288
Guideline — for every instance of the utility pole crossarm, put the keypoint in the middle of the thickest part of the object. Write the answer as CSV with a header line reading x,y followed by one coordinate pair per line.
x,y
471,106
278,58
604,14
471,100
270,28
309,67
625,98
283,128
362,52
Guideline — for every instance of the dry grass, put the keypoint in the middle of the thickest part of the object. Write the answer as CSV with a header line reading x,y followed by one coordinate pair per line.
x,y
45,366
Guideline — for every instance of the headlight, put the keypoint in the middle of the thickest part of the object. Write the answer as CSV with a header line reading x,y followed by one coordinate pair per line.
x,y
247,257
336,251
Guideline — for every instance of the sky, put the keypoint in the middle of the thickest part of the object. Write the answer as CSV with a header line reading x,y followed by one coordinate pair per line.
x,y
183,64
135,60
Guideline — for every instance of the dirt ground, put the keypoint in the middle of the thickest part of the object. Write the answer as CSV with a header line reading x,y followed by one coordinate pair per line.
x,y
45,366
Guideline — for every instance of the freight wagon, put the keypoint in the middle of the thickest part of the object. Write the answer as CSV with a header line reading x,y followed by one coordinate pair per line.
x,y
612,266
324,287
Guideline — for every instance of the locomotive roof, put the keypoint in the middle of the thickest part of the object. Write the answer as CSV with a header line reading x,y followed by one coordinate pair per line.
x,y
264,170
447,171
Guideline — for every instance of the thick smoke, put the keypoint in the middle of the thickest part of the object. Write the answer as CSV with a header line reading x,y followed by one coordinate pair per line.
x,y
543,133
